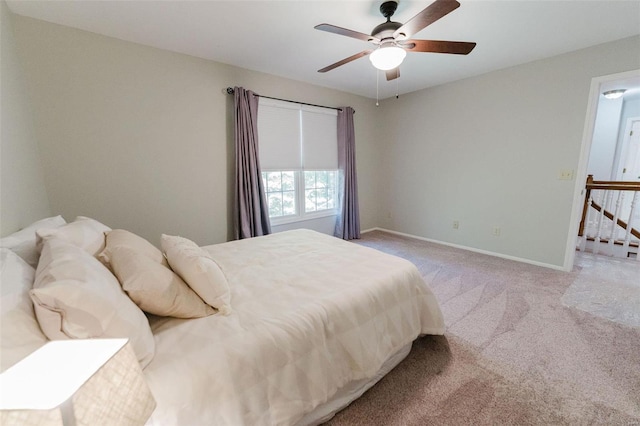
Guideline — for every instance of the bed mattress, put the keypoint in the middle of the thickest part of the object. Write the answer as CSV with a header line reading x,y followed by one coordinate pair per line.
x,y
311,315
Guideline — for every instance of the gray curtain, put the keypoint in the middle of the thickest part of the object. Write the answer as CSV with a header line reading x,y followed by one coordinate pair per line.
x,y
251,214
348,222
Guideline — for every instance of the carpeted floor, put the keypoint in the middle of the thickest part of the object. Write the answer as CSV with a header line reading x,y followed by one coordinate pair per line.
x,y
513,352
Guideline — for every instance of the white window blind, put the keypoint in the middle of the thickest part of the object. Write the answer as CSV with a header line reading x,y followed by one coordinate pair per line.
x,y
296,137
319,139
279,135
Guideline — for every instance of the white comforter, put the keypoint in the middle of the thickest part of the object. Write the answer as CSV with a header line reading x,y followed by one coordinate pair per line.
x,y
310,314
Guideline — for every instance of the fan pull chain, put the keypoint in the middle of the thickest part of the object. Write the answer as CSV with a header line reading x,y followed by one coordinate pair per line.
x,y
397,85
377,87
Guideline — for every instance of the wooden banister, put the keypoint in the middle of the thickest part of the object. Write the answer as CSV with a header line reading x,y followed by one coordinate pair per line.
x,y
613,185
585,207
592,184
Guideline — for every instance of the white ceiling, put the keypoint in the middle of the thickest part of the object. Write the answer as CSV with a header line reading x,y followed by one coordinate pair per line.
x,y
277,37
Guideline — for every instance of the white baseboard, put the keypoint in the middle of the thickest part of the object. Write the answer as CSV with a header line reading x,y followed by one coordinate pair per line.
x,y
475,250
372,229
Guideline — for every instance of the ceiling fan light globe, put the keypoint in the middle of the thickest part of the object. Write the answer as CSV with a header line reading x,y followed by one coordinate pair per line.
x,y
387,58
614,94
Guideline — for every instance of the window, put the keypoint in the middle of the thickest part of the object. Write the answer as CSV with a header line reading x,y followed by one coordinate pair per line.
x,y
319,190
319,193
299,160
280,188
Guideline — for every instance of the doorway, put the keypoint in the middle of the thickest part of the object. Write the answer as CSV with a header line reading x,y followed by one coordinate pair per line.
x,y
630,82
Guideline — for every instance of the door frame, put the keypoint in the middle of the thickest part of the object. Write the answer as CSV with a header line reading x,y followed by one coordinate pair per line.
x,y
583,161
626,139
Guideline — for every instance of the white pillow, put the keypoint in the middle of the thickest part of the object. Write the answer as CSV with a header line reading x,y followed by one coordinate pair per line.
x,y
123,238
75,296
83,232
198,270
23,242
154,287
20,333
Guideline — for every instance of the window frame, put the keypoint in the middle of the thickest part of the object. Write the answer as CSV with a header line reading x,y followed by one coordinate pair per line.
x,y
297,141
301,214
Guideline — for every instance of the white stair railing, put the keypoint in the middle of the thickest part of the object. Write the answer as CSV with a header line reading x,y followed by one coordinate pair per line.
x,y
616,215
627,234
619,230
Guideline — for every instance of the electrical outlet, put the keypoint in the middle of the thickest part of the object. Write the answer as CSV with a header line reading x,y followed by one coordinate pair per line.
x,y
456,224
496,231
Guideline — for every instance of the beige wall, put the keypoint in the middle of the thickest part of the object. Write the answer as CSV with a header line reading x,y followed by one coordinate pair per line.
x,y
487,151
141,138
21,179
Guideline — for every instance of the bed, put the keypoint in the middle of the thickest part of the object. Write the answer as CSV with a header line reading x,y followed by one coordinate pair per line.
x,y
314,321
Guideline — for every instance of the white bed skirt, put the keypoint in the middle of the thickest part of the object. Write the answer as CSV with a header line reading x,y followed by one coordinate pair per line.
x,y
352,391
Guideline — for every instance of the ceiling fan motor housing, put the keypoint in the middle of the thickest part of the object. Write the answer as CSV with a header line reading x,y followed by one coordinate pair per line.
x,y
385,30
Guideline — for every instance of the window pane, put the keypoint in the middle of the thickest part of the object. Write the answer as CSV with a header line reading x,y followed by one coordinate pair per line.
x,y
288,181
310,200
281,192
309,179
322,179
333,179
275,204
320,190
274,181
321,199
288,203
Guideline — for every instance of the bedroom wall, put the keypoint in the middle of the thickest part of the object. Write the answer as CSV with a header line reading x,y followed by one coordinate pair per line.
x,y
141,138
23,198
487,151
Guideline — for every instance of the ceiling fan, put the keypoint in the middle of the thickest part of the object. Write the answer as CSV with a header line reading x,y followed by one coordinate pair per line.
x,y
393,39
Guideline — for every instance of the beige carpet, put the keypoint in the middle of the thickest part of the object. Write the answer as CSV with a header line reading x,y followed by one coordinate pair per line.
x,y
513,353
606,287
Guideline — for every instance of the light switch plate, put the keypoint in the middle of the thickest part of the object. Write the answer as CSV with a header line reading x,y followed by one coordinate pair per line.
x,y
566,175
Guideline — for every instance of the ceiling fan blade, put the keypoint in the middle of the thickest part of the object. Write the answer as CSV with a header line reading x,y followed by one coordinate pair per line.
x,y
393,74
428,16
345,60
345,32
439,46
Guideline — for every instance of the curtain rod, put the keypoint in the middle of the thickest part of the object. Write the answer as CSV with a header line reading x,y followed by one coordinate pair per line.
x,y
230,92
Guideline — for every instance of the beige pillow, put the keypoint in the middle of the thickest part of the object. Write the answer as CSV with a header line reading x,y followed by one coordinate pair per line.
x,y
123,238
198,270
76,297
83,232
154,287
23,242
